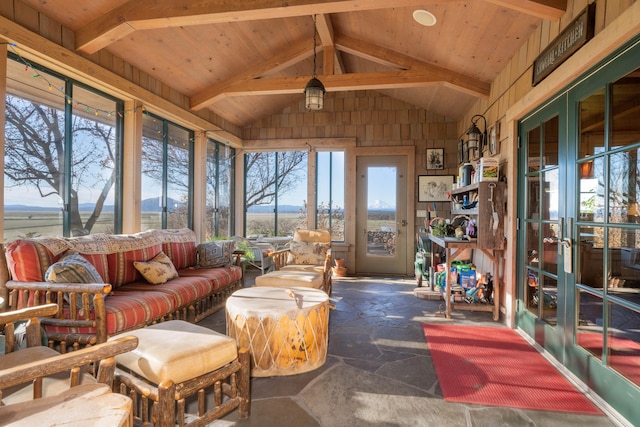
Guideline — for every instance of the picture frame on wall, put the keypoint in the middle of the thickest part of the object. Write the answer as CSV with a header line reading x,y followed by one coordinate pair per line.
x,y
435,158
434,188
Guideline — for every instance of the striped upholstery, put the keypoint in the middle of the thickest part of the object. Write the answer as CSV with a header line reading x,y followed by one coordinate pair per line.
x,y
28,260
184,290
127,310
180,246
219,277
121,268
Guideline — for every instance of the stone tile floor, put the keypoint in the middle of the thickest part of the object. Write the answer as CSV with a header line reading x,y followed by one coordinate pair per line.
x,y
378,370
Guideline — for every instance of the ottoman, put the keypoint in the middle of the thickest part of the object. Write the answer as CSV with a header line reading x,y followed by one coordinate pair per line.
x,y
286,330
290,278
176,360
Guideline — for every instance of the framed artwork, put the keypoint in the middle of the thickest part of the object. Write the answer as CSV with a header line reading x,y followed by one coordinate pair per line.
x,y
435,158
434,188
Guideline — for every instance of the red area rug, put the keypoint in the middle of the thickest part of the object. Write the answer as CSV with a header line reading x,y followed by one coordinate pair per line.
x,y
497,367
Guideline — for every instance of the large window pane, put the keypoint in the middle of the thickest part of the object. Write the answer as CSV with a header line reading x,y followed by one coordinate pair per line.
x,y
292,192
58,182
260,194
218,189
275,193
330,193
178,155
152,172
166,174
93,165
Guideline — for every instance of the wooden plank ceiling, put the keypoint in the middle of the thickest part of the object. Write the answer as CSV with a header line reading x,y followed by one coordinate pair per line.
x,y
248,59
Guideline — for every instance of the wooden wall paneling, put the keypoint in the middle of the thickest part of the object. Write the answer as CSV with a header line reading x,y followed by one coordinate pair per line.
x,y
26,16
68,38
6,9
50,29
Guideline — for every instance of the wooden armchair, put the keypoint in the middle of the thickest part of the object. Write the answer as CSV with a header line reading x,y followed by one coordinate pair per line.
x,y
39,371
310,250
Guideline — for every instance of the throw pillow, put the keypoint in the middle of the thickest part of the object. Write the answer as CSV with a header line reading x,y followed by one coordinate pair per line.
x,y
307,253
73,268
157,270
215,254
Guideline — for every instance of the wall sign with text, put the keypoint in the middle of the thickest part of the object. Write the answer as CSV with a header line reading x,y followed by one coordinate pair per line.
x,y
572,38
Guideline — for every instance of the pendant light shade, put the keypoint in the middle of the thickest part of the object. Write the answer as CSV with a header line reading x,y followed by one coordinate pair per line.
x,y
314,95
314,90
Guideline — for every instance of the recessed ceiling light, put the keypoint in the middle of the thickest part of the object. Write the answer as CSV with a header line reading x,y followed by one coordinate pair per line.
x,y
423,17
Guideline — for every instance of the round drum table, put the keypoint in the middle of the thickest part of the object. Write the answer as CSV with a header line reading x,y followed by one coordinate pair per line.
x,y
285,329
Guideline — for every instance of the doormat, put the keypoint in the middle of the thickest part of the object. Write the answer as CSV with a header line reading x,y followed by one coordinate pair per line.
x,y
497,367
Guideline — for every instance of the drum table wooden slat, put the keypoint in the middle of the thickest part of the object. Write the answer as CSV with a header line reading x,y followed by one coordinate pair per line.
x,y
286,329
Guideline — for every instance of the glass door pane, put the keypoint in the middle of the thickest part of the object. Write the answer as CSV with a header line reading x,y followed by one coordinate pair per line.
x,y
381,215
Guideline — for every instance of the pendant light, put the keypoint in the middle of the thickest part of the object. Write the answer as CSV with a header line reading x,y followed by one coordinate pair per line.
x,y
314,91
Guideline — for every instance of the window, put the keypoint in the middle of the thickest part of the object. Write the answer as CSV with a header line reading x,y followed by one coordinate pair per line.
x,y
275,193
330,193
219,188
62,144
167,152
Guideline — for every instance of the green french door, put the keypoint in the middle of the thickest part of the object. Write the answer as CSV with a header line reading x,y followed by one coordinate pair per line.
x,y
578,240
545,231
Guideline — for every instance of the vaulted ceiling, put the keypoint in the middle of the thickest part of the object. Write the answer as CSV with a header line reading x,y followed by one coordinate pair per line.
x,y
248,59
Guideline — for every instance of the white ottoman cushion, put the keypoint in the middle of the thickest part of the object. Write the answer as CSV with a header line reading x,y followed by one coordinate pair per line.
x,y
177,350
290,278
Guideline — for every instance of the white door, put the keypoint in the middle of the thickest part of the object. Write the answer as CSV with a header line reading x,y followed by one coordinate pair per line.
x,y
381,214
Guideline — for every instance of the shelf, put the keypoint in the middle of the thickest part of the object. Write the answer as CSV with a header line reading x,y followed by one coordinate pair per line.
x,y
465,189
473,211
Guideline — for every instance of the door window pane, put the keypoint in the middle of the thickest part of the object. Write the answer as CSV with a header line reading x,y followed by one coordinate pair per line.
x,y
590,324
591,124
381,215
550,143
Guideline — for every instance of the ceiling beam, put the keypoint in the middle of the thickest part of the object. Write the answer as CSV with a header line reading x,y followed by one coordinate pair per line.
x,y
391,58
360,81
332,62
545,9
283,59
153,14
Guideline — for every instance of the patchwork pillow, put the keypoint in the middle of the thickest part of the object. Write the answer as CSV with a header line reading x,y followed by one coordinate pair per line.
x,y
157,270
73,268
307,253
215,254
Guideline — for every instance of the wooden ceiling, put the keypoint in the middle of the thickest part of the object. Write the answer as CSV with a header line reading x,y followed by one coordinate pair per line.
x,y
248,59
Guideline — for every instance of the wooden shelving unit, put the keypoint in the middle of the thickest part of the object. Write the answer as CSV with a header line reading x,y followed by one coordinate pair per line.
x,y
488,216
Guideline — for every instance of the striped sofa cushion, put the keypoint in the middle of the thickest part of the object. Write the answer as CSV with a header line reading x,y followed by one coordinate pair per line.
x,y
29,259
126,310
179,245
219,277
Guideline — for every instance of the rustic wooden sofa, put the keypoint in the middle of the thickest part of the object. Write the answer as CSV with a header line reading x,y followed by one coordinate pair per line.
x,y
126,300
